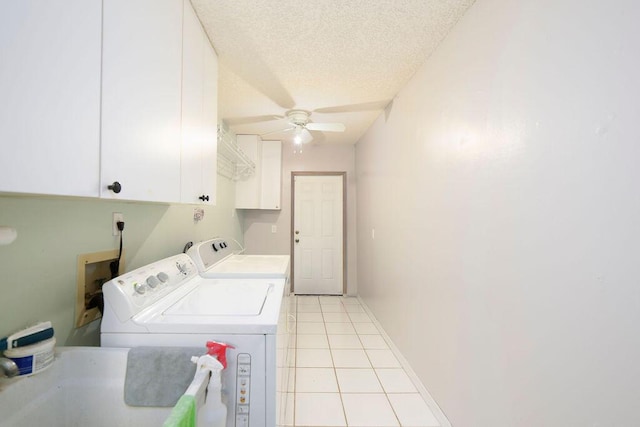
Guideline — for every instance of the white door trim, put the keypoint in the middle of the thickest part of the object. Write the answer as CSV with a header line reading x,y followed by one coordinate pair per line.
x,y
344,223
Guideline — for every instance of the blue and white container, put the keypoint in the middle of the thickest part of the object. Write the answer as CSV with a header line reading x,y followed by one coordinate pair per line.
x,y
34,358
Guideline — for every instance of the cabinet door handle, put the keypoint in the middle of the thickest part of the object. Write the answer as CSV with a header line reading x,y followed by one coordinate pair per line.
x,y
115,187
297,240
204,198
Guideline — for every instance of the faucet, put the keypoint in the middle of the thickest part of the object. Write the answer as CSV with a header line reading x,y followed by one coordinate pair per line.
x,y
8,368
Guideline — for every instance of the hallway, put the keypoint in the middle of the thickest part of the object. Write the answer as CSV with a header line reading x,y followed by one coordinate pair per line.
x,y
346,373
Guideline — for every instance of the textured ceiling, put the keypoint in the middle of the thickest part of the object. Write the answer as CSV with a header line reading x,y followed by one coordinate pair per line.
x,y
341,60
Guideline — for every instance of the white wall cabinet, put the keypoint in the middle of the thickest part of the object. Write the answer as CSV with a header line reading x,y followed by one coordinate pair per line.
x,y
97,92
262,190
199,113
141,99
50,103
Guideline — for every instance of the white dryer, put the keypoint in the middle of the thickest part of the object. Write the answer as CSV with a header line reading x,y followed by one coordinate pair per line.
x,y
215,258
167,303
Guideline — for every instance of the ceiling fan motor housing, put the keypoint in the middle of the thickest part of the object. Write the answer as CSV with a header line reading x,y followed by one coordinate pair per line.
x,y
298,117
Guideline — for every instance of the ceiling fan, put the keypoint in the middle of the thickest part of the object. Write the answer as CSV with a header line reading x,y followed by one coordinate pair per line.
x,y
301,125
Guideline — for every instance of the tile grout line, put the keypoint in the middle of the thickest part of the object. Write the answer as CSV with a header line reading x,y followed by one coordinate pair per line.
x,y
376,374
394,351
335,373
422,390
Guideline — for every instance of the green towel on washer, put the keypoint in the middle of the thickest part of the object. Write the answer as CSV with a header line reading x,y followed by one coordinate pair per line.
x,y
183,414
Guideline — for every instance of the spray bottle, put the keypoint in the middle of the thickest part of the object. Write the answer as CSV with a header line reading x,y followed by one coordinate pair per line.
x,y
214,412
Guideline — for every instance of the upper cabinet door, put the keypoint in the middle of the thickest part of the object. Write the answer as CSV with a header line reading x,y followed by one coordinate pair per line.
x,y
141,99
50,96
271,175
199,113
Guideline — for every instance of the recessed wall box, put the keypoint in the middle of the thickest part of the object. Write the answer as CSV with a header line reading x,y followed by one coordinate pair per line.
x,y
93,272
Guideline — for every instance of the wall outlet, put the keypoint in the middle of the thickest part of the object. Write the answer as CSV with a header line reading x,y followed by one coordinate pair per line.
x,y
117,217
274,229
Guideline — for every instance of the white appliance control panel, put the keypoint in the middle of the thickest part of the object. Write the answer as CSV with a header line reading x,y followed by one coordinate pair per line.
x,y
132,292
243,388
210,252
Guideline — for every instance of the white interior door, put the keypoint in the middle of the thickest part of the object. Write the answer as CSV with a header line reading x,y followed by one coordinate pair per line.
x,y
318,235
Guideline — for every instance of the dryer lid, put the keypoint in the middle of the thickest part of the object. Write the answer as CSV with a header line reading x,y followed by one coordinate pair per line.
x,y
250,266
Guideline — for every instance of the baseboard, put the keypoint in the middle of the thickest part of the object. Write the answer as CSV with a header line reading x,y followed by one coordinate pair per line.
x,y
431,403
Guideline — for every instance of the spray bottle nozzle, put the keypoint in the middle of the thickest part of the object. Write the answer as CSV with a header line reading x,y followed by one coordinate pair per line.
x,y
219,351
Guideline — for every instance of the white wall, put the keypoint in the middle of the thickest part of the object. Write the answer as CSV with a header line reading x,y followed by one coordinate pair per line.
x,y
317,158
38,270
506,181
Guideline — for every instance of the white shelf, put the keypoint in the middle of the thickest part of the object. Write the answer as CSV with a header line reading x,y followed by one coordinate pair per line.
x,y
233,163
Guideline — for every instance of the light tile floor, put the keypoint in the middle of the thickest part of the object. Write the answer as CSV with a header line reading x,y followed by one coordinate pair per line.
x,y
346,374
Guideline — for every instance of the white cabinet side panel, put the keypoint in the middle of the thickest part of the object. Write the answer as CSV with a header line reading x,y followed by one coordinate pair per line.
x,y
192,105
209,155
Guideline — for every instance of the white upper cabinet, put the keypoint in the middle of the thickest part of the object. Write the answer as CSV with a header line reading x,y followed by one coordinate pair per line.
x,y
50,96
271,185
199,113
107,93
141,99
262,190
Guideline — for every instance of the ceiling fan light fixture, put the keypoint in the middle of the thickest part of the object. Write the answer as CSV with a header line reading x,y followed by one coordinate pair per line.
x,y
300,124
297,138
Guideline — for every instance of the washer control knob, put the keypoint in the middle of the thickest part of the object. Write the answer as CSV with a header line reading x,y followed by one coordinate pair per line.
x,y
182,268
152,281
140,288
163,277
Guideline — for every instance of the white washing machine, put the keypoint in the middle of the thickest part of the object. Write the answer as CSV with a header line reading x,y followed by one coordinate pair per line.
x,y
219,258
167,303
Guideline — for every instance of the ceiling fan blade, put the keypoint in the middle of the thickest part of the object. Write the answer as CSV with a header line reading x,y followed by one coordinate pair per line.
x,y
318,137
234,121
278,131
387,111
326,127
353,108
257,76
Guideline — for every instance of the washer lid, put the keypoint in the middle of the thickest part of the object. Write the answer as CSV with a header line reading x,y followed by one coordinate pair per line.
x,y
223,299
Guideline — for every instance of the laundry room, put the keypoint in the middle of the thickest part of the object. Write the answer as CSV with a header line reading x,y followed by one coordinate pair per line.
x,y
454,183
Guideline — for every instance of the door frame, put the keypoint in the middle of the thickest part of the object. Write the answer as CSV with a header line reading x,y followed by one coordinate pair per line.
x,y
294,174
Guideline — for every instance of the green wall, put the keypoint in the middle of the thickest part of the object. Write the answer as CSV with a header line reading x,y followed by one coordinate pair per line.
x,y
38,270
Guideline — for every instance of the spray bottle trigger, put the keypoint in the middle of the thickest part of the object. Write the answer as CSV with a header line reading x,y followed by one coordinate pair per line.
x,y
218,350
